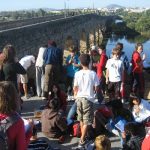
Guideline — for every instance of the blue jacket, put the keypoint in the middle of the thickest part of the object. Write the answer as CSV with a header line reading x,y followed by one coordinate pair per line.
x,y
53,55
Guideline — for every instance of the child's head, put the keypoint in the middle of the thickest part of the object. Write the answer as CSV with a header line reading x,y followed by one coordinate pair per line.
x,y
115,53
119,46
134,100
85,60
101,48
8,97
134,129
102,143
54,104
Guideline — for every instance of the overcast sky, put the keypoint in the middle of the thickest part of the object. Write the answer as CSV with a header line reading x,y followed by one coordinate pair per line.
x,y
59,4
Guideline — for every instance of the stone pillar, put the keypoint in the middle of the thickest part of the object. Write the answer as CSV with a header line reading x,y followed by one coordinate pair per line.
x,y
83,43
91,39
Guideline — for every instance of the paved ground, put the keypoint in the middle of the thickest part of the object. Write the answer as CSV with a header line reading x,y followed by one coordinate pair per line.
x,y
33,104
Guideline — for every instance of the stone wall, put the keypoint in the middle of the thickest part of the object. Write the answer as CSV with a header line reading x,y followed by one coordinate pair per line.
x,y
28,39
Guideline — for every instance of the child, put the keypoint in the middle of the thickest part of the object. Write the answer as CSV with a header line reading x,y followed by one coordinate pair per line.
x,y
135,134
114,75
53,125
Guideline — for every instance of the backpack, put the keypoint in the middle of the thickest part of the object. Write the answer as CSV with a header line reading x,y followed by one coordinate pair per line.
x,y
4,126
76,129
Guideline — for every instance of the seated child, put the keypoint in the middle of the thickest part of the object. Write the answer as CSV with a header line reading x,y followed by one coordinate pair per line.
x,y
135,134
53,125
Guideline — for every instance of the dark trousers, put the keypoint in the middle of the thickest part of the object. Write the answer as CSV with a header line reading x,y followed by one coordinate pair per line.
x,y
138,84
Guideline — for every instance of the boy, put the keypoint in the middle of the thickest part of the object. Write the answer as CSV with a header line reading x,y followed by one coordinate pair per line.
x,y
114,75
85,85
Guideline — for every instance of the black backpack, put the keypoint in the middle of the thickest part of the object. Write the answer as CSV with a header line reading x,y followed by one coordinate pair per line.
x,y
4,125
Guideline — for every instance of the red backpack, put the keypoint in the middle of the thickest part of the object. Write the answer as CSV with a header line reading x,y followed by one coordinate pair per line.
x,y
76,129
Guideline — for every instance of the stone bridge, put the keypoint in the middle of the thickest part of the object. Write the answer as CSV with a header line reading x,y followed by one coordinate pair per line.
x,y
80,31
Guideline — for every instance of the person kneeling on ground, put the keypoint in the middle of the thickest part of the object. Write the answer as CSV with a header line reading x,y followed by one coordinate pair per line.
x,y
53,125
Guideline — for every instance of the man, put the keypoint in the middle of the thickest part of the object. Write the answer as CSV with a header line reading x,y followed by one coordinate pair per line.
x,y
26,62
53,58
137,70
86,84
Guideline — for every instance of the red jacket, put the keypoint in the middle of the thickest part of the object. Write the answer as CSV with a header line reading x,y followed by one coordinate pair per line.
x,y
17,139
101,65
146,143
137,63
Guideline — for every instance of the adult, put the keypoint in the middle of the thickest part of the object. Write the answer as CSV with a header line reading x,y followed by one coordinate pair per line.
x,y
53,58
85,85
10,66
137,70
17,138
40,71
26,62
72,66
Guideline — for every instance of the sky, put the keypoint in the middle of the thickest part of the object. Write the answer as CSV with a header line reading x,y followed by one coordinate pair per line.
x,y
11,5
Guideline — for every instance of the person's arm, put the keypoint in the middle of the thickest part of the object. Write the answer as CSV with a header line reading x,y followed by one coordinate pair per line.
x,y
107,76
20,69
21,141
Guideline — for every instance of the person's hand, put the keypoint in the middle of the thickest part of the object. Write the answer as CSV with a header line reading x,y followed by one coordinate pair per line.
x,y
107,81
144,57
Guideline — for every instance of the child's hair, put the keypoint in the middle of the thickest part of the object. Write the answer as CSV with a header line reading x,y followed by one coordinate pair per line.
x,y
102,47
54,103
115,51
134,97
134,129
102,143
119,46
85,59
138,45
10,53
8,97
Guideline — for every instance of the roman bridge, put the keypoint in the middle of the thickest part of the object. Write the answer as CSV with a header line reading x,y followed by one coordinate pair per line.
x,y
80,31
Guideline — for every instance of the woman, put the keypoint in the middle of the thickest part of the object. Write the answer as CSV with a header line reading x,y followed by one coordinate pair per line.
x,y
56,92
140,108
10,66
17,139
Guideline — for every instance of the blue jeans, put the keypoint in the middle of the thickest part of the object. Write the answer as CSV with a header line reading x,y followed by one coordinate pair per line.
x,y
71,113
39,80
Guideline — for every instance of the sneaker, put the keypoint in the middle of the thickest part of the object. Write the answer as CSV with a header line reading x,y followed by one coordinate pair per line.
x,y
81,143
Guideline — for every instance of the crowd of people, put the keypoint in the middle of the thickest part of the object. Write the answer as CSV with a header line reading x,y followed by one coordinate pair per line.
x,y
88,79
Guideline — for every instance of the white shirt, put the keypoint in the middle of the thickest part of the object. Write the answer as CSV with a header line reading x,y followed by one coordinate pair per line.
x,y
40,60
86,80
144,111
115,69
27,61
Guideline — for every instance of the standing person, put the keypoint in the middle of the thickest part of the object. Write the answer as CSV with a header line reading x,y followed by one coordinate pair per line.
x,y
26,62
126,64
114,75
40,71
137,70
101,67
53,58
17,138
85,85
10,66
72,66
